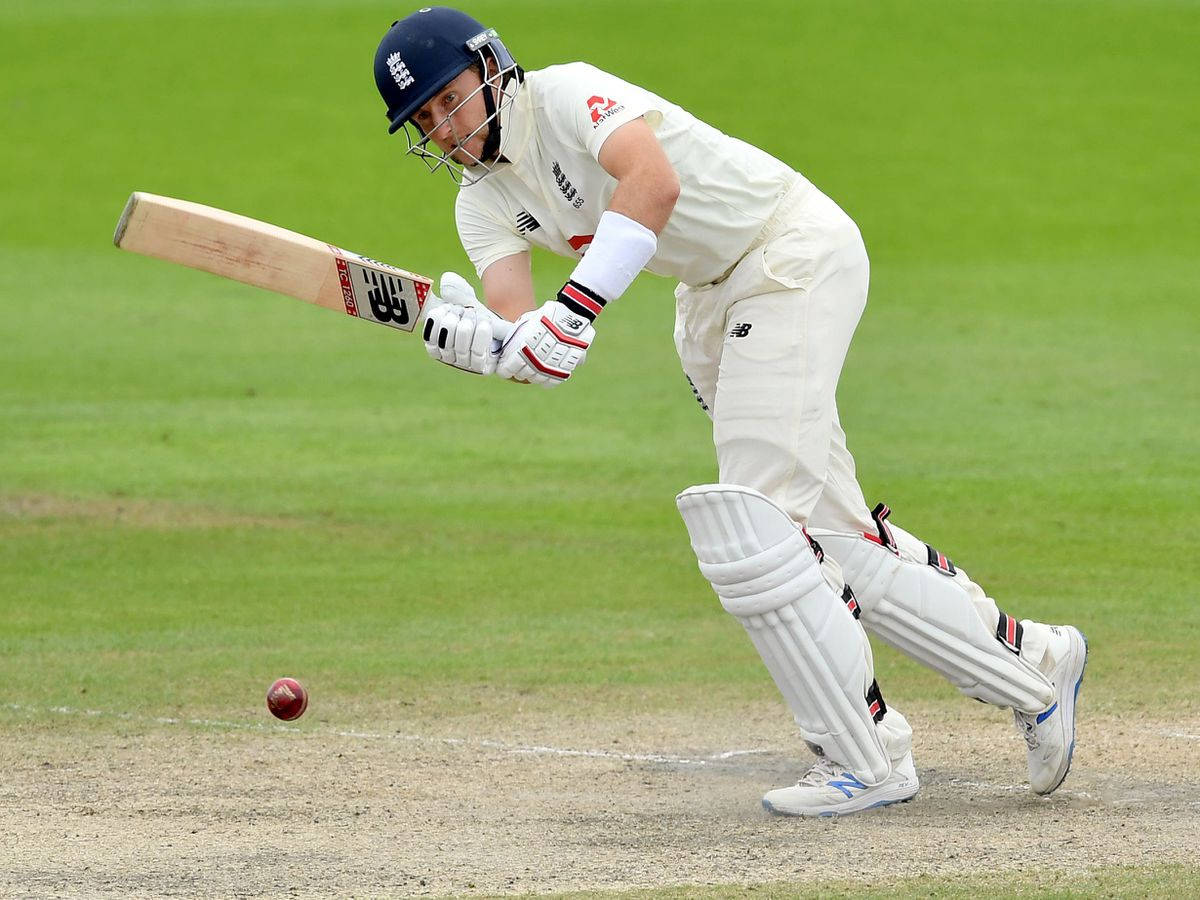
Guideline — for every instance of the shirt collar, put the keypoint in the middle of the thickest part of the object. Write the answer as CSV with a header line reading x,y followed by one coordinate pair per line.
x,y
516,123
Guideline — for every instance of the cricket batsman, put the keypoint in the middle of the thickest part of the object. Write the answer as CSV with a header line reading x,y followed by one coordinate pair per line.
x,y
772,281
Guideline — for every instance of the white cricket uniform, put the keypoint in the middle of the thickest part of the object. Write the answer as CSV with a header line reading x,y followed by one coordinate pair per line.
x,y
773,275
773,279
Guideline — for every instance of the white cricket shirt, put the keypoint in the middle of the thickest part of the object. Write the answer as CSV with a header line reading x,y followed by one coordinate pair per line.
x,y
552,191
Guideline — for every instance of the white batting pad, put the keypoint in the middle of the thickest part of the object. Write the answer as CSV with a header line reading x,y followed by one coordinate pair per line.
x,y
932,617
764,572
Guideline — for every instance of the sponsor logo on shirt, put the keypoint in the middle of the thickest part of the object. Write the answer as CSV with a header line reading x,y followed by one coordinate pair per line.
x,y
740,330
526,223
601,108
564,184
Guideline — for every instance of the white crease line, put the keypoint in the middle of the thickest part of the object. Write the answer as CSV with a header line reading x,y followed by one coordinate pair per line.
x,y
414,738
602,754
729,754
1184,736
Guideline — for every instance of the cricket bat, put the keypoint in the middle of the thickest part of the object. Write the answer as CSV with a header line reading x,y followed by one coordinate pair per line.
x,y
267,256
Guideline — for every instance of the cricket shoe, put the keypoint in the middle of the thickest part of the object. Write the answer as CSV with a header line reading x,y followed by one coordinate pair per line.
x,y
1050,735
829,790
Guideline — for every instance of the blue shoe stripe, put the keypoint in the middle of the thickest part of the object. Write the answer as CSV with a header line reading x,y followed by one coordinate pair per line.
x,y
1042,717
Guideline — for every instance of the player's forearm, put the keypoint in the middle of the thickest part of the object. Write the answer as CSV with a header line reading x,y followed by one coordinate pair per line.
x,y
648,197
508,286
511,308
647,184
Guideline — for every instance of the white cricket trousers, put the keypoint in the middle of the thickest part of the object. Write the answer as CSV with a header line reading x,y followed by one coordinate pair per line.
x,y
764,349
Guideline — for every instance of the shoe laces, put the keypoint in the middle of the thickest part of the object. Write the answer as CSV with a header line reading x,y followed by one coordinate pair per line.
x,y
822,770
1028,731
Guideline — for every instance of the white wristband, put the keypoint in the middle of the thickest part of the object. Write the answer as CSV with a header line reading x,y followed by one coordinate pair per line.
x,y
620,249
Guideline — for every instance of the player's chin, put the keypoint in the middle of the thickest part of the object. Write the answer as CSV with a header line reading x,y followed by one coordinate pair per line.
x,y
465,157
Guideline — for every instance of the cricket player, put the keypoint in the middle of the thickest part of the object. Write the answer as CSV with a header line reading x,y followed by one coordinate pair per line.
x,y
772,282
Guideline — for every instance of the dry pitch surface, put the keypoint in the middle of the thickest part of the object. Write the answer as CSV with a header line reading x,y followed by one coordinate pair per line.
x,y
132,808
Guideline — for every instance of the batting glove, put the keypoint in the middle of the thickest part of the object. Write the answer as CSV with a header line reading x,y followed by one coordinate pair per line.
x,y
548,344
461,332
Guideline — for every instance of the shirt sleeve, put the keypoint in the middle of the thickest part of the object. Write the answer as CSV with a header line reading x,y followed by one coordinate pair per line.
x,y
591,104
482,230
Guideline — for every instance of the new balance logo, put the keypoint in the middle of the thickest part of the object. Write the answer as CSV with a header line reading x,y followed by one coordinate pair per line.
x,y
571,323
526,223
1042,717
740,330
848,785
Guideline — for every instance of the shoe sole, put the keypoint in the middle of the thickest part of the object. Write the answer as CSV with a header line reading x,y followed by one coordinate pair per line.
x,y
1074,698
833,814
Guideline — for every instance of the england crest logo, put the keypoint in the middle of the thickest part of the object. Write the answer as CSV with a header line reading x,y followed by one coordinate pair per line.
x,y
399,71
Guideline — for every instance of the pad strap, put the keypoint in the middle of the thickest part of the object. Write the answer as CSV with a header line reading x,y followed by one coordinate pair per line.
x,y
1010,632
875,705
880,514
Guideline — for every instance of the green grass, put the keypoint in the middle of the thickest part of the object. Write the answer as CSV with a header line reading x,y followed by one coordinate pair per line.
x,y
203,485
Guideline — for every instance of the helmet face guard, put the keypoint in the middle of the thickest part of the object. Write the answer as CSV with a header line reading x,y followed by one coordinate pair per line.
x,y
423,53
469,168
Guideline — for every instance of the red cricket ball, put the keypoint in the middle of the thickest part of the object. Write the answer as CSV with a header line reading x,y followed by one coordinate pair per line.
x,y
287,699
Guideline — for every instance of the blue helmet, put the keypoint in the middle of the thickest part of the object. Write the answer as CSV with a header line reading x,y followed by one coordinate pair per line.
x,y
425,51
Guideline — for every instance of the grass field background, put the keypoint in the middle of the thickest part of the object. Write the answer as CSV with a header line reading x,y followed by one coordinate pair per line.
x,y
203,486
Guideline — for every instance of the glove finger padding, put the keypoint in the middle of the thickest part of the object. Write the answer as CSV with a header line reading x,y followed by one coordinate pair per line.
x,y
461,337
440,327
480,354
460,340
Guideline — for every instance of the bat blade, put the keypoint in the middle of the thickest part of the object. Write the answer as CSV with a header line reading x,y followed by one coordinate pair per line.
x,y
267,256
